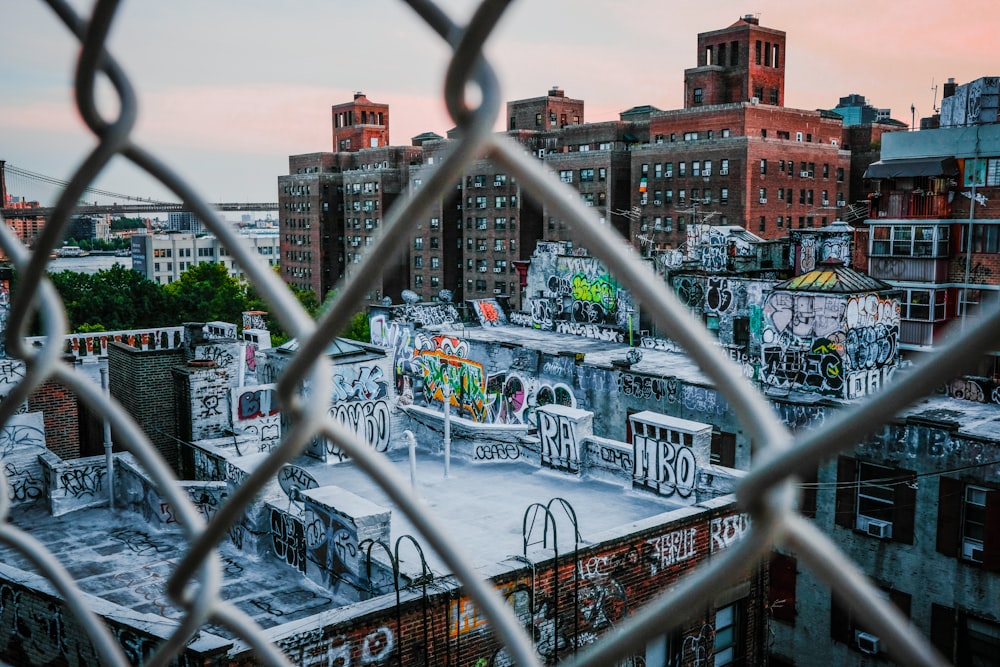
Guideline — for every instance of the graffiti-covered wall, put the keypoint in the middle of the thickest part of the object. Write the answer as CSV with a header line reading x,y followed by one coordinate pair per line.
x,y
484,382
838,345
576,294
364,397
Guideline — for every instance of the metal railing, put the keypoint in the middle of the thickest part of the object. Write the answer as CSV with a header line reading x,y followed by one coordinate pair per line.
x,y
767,493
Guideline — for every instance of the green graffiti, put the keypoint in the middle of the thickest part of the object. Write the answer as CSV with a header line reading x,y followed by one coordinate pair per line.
x,y
602,291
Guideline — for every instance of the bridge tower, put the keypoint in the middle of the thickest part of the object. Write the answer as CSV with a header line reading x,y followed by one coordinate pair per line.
x,y
3,184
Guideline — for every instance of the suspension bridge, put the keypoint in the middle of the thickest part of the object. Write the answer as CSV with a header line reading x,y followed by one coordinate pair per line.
x,y
28,188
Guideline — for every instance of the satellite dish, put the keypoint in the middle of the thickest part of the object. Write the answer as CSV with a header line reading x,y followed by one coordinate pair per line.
x,y
409,296
446,295
293,480
386,301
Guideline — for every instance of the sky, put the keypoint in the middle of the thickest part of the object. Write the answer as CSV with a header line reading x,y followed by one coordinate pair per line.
x,y
229,89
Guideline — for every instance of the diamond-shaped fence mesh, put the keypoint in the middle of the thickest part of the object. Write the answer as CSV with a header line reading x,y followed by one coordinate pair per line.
x,y
767,493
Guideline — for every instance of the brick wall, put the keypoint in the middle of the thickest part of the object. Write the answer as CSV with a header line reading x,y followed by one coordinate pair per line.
x,y
567,605
143,383
62,417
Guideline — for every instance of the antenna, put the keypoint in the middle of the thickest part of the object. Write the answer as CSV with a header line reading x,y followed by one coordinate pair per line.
x,y
934,106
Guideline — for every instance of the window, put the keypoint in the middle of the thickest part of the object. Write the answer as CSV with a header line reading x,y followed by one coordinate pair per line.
x,y
845,626
696,168
724,196
480,202
682,168
500,223
968,523
728,643
658,170
724,167
706,168
566,175
916,305
418,262
840,174
435,223
668,169
602,174
909,240
985,238
435,242
586,175
782,571
773,96
418,243
763,165
698,96
876,500
963,638
725,133
763,223
762,195
538,120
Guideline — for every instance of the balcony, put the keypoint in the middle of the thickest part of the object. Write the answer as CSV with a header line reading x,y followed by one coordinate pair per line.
x,y
911,204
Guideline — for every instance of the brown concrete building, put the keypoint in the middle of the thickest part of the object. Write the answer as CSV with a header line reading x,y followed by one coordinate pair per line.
x,y
741,63
360,124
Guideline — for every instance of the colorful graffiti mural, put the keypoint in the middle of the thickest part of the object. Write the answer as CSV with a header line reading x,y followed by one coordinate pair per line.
x,y
844,346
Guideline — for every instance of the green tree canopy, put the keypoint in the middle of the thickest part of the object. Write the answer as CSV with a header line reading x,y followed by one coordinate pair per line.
x,y
116,298
206,293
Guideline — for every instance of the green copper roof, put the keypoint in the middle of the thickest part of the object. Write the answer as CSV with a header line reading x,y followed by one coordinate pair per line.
x,y
833,276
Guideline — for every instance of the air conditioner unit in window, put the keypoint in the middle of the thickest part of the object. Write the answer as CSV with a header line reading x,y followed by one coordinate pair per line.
x,y
656,202
723,172
804,174
826,202
754,100
541,152
867,643
482,269
972,550
497,270
763,200
841,202
497,290
878,528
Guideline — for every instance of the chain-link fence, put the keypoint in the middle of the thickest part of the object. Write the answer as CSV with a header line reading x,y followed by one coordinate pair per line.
x,y
767,493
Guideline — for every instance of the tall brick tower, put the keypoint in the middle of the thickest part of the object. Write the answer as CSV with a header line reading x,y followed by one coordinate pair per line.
x,y
741,63
360,124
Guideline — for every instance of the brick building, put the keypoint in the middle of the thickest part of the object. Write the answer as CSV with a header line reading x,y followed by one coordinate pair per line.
x,y
734,155
930,232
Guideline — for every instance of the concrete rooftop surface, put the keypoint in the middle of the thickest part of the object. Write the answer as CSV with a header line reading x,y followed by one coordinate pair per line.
x,y
119,557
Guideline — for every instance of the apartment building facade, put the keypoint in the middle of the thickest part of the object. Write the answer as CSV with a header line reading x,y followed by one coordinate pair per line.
x,y
162,258
734,155
930,230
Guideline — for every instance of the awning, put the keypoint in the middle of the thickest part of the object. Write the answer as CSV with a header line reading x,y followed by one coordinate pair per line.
x,y
924,166
630,138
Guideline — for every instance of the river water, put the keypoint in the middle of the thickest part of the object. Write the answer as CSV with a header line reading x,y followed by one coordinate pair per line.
x,y
89,264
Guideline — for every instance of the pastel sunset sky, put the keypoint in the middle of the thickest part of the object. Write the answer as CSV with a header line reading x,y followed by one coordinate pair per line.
x,y
229,88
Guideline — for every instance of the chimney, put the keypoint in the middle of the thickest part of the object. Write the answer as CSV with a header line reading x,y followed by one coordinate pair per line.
x,y
949,88
556,91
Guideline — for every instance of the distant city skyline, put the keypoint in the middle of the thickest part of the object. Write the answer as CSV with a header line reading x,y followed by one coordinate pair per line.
x,y
229,90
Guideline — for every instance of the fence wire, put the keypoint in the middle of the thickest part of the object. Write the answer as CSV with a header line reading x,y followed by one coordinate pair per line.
x,y
766,493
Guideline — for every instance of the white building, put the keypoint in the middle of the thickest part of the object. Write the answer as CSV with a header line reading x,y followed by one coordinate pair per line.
x,y
162,258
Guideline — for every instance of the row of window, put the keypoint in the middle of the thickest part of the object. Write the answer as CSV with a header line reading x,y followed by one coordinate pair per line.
x,y
880,501
963,638
806,169
480,180
482,223
690,136
702,168
806,196
499,201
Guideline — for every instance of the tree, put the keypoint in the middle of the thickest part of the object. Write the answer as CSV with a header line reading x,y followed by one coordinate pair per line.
x,y
115,299
206,293
306,298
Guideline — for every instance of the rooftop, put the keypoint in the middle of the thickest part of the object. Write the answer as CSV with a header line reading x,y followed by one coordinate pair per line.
x,y
120,558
